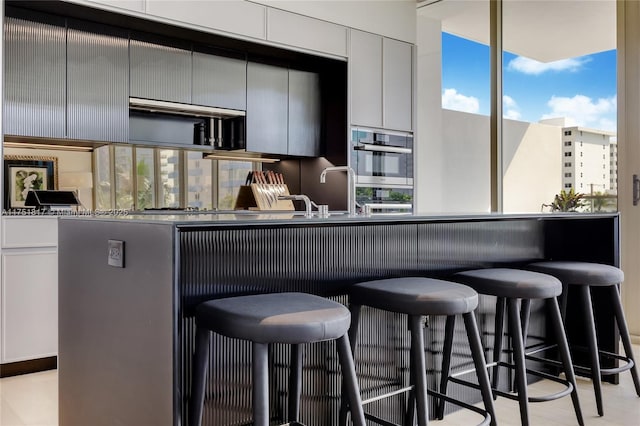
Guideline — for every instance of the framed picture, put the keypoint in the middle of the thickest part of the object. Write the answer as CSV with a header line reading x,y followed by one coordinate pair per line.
x,y
23,173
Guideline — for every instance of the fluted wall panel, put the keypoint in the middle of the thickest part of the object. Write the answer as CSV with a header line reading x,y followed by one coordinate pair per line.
x,y
35,79
98,83
325,260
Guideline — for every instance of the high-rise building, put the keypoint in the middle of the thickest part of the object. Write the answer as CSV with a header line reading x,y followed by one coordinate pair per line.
x,y
587,158
613,165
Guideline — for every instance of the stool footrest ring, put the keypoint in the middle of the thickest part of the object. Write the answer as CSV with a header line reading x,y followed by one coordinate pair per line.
x,y
628,362
487,416
550,397
383,422
378,420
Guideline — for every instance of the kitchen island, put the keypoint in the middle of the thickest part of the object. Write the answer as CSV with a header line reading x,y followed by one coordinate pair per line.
x,y
127,333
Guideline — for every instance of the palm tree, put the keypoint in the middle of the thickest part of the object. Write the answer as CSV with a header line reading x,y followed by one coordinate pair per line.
x,y
567,201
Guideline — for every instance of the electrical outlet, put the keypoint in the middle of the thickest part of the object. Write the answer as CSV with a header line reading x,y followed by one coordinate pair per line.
x,y
116,253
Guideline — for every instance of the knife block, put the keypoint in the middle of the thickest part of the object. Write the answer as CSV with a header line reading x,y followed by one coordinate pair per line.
x,y
263,196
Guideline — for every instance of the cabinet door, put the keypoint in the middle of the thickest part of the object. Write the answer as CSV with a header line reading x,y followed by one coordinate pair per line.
x,y
365,78
34,88
160,72
29,304
267,104
98,88
309,33
304,113
219,81
236,17
397,87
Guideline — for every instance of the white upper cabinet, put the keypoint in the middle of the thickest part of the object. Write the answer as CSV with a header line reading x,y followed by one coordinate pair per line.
x,y
381,81
238,17
365,78
308,33
135,5
397,84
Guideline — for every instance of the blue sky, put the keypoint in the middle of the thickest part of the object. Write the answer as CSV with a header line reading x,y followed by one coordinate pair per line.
x,y
582,89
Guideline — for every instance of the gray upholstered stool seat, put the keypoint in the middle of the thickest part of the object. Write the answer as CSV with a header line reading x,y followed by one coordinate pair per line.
x,y
515,289
417,297
580,273
578,278
262,319
505,282
276,318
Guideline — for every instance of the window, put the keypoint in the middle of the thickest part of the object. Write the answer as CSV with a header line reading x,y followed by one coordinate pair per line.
x,y
231,175
123,181
567,175
170,178
167,178
102,178
567,132
567,143
145,178
199,177
567,185
567,154
567,164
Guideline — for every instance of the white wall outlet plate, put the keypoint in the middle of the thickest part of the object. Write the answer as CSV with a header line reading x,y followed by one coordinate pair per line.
x,y
116,253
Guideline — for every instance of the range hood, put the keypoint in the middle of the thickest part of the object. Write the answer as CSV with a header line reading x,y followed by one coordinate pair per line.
x,y
151,105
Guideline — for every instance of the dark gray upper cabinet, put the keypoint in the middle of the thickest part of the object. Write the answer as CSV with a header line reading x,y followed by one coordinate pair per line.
x,y
304,114
219,81
98,83
159,71
35,79
267,105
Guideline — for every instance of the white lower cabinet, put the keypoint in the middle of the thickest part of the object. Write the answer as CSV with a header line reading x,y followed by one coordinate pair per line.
x,y
29,304
29,290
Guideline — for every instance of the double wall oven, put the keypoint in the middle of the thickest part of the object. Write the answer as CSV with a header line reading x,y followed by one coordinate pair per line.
x,y
383,164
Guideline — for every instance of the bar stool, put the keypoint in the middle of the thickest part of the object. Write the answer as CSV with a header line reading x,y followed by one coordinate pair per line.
x,y
580,277
513,286
417,297
290,318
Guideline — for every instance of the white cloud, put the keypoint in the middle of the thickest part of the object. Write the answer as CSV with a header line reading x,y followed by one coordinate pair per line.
x,y
451,99
584,111
530,66
510,108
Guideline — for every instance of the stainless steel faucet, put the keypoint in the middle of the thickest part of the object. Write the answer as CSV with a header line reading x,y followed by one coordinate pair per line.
x,y
351,183
307,202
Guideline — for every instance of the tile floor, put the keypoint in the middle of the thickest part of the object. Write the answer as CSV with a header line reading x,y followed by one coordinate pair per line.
x,y
31,400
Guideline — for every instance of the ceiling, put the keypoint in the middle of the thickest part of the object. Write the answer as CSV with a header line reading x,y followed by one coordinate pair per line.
x,y
544,30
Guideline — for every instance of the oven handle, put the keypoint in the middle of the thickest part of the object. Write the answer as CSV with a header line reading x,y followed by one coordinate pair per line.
x,y
382,206
382,148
